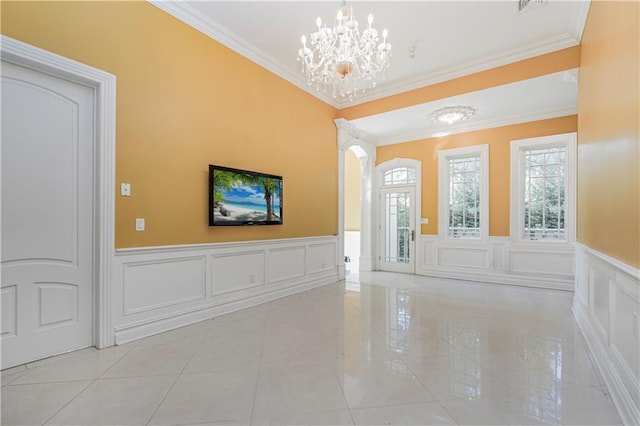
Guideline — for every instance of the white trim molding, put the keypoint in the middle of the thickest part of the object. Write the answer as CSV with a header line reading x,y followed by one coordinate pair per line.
x,y
494,263
606,306
157,289
104,86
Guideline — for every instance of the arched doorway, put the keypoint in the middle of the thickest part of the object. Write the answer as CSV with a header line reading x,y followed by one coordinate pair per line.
x,y
358,142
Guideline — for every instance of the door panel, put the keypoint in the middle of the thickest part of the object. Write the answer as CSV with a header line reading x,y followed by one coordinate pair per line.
x,y
397,230
47,215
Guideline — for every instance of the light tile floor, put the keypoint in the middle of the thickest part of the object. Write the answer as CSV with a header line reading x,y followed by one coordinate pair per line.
x,y
393,349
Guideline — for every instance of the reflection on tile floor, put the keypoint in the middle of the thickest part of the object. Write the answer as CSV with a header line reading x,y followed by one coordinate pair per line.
x,y
391,349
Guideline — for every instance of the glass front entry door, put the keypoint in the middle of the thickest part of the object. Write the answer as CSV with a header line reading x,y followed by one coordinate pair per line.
x,y
397,230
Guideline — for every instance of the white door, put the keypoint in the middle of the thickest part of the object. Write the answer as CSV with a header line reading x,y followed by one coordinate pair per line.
x,y
47,215
397,229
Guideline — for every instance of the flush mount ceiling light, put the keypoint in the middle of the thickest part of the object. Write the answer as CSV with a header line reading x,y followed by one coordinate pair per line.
x,y
526,5
343,57
450,115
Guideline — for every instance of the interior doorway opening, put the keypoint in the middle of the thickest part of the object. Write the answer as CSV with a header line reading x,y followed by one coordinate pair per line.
x,y
352,213
354,142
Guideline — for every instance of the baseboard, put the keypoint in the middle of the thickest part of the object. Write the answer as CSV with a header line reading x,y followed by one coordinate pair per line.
x,y
133,332
499,278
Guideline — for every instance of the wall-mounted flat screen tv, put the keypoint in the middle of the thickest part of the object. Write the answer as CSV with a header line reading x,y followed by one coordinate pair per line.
x,y
241,197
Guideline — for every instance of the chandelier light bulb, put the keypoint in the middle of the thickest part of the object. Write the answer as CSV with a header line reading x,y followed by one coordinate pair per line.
x,y
343,58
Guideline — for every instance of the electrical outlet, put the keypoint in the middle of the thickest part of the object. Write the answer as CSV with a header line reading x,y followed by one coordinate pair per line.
x,y
139,224
125,189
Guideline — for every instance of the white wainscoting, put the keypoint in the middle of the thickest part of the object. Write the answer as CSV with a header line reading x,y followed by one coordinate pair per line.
x,y
606,306
161,288
498,262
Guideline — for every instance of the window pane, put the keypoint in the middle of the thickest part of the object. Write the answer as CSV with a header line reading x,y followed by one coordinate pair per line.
x,y
387,177
464,197
544,209
397,227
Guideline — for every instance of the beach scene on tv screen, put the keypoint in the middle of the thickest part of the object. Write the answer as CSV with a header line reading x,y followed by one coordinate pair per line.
x,y
242,197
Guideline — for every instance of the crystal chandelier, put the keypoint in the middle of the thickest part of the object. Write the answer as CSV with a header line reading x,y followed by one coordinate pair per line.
x,y
450,115
343,57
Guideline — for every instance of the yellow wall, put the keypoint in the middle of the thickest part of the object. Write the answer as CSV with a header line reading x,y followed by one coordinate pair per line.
x,y
608,132
352,203
185,101
521,70
499,141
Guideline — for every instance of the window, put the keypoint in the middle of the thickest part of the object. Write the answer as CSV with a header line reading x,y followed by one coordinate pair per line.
x,y
463,192
399,176
542,188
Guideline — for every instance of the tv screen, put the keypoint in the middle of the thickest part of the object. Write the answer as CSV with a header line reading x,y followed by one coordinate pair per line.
x,y
241,197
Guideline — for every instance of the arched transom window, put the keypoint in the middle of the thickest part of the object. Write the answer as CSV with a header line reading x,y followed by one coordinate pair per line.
x,y
399,176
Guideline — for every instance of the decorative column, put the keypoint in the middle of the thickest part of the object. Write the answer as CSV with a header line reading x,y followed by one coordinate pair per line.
x,y
350,137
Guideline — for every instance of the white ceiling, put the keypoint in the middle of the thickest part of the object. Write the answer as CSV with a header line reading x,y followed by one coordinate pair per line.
x,y
452,39
549,96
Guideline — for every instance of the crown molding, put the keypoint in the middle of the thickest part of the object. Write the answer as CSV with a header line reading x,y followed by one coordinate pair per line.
x,y
218,32
578,18
476,125
531,50
572,37
207,26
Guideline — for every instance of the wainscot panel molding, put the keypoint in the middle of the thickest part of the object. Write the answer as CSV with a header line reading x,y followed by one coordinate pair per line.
x,y
157,289
606,306
497,261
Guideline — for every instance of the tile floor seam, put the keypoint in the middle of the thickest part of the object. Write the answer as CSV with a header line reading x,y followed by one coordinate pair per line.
x,y
114,363
255,389
422,383
447,411
163,399
170,387
70,401
344,396
15,385
335,372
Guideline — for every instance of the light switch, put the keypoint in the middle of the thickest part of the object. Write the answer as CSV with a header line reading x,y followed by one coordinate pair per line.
x,y
139,224
425,221
125,189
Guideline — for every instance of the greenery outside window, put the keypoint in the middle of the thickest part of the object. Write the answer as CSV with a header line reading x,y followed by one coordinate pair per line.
x,y
543,189
463,193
